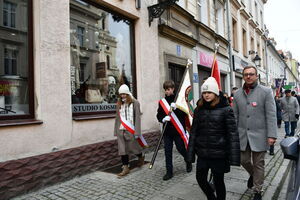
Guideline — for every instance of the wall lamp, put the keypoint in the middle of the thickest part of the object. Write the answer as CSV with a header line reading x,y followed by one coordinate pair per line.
x,y
257,60
157,10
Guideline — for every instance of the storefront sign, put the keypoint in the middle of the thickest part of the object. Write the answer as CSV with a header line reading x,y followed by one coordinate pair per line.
x,y
79,108
100,70
205,59
73,73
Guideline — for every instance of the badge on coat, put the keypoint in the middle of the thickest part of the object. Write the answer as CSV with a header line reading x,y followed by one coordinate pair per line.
x,y
254,104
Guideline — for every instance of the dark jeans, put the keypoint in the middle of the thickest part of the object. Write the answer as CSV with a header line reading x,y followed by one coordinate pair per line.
x,y
201,176
287,128
168,142
279,123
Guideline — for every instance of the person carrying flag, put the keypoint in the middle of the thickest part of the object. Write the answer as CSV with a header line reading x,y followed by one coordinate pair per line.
x,y
175,128
128,129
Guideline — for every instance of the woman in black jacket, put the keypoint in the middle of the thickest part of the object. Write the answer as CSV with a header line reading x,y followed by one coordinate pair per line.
x,y
214,139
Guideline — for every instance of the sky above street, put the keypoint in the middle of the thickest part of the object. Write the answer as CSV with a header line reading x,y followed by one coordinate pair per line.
x,y
282,18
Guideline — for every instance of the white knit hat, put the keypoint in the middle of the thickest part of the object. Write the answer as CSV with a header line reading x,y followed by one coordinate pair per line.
x,y
210,85
124,89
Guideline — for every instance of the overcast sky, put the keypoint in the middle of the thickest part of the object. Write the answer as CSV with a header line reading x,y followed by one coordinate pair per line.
x,y
282,18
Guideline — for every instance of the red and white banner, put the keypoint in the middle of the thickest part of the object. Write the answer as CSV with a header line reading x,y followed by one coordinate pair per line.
x,y
130,128
175,121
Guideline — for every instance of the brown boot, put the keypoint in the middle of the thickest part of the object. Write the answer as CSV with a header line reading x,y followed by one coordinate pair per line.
x,y
124,172
140,162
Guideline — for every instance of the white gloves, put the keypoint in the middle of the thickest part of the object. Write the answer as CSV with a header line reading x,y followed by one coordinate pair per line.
x,y
173,106
166,118
136,136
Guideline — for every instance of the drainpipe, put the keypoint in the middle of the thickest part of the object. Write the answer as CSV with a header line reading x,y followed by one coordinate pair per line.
x,y
232,78
267,68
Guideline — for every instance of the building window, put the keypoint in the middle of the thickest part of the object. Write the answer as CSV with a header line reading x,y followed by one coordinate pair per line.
x,y
252,44
80,36
245,52
10,61
203,11
234,35
261,20
219,11
181,3
16,58
105,62
9,14
256,12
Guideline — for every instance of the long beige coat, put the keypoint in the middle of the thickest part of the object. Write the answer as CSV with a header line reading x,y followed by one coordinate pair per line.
x,y
127,144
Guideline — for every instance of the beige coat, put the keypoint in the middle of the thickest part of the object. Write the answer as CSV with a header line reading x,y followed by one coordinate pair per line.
x,y
127,144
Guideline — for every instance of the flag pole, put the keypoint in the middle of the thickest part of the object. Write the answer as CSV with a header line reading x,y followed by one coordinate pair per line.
x,y
217,45
189,63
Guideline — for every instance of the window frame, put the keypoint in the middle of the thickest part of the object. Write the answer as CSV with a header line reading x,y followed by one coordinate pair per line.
x,y
110,114
30,62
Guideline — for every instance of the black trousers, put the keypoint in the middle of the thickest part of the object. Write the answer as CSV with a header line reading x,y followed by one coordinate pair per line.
x,y
201,176
168,142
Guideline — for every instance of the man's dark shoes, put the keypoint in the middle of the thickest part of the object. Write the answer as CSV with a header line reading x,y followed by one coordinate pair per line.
x,y
257,196
189,167
250,182
167,176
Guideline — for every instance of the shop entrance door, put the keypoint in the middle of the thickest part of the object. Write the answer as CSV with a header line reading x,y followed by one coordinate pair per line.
x,y
175,74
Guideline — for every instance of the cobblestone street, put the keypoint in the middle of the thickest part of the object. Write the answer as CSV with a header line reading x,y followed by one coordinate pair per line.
x,y
147,184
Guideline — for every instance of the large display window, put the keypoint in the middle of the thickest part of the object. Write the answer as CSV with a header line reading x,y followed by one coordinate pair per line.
x,y
102,57
16,60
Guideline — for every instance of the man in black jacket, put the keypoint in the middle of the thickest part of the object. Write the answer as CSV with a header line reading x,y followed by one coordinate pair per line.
x,y
171,134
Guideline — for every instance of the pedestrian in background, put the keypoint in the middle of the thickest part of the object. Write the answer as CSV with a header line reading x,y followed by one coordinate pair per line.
x,y
171,134
290,113
233,90
128,115
214,139
255,111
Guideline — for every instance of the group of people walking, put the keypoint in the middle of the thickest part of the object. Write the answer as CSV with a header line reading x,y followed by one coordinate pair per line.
x,y
222,134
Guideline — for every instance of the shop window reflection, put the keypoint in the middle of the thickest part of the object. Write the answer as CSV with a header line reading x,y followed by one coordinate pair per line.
x,y
101,57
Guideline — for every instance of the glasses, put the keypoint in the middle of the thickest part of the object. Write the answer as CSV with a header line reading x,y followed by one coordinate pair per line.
x,y
248,74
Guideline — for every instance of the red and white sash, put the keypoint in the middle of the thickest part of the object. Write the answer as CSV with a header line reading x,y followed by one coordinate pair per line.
x,y
175,121
130,128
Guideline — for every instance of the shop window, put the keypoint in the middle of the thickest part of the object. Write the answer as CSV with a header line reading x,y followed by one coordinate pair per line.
x,y
16,58
101,57
9,14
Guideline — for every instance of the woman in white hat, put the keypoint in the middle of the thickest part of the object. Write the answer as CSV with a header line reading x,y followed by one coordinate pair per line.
x,y
128,128
214,139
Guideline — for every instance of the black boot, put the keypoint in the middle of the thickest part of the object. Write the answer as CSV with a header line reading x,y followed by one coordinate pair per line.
x,y
250,182
271,150
167,176
189,167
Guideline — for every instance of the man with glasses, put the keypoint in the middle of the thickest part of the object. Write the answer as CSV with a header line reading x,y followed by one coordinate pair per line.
x,y
255,111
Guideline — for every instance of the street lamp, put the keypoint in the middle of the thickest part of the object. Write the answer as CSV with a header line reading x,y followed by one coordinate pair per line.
x,y
257,60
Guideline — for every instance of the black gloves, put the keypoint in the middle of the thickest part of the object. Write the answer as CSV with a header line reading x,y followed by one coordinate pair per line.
x,y
297,116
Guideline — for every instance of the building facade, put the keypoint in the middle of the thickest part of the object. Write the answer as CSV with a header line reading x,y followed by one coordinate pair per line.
x,y
63,61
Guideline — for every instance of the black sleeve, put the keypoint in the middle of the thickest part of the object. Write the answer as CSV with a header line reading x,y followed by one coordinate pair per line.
x,y
160,113
233,138
191,146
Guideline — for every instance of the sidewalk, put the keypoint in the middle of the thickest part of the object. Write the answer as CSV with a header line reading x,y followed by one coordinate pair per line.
x,y
147,184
